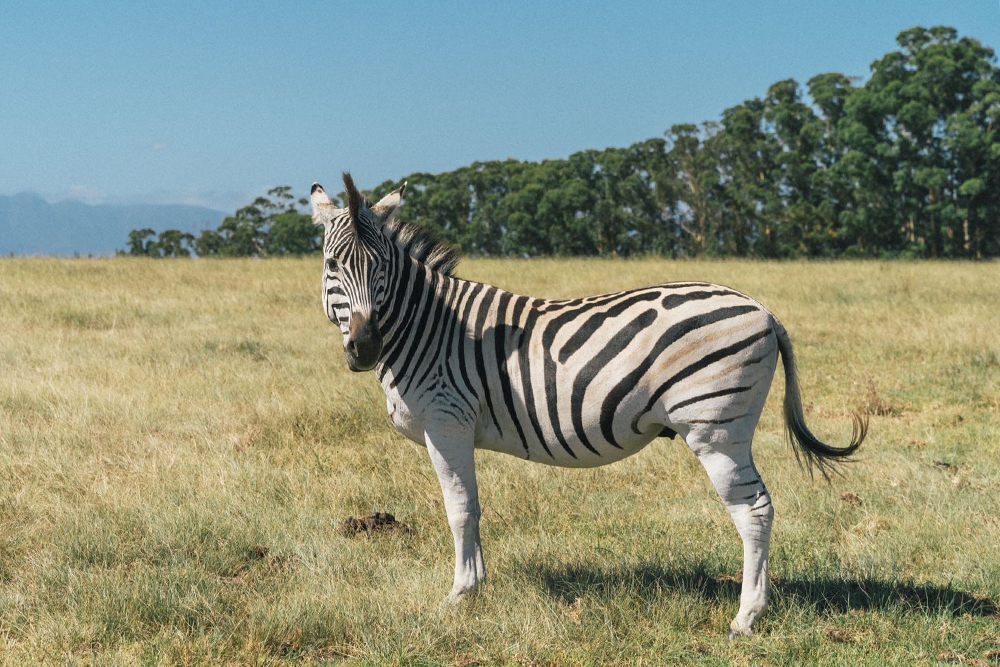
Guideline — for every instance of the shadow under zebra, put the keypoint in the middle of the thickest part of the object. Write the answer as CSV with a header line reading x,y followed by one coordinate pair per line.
x,y
651,582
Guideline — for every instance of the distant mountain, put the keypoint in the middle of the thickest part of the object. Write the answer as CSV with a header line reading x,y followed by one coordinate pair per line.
x,y
31,226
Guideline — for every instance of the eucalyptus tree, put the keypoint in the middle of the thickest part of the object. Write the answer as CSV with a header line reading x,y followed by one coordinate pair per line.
x,y
914,118
138,244
172,243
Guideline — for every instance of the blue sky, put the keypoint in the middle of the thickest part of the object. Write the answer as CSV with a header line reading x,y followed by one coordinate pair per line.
x,y
214,102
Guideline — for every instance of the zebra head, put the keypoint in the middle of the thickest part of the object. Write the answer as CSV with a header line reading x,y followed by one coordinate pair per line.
x,y
356,252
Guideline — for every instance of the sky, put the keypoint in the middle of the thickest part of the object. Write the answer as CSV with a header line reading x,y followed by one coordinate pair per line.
x,y
213,102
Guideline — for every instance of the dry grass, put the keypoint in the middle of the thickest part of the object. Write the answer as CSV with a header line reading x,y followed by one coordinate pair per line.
x,y
179,442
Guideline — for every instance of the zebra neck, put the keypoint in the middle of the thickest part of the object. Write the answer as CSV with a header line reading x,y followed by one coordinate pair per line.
x,y
414,322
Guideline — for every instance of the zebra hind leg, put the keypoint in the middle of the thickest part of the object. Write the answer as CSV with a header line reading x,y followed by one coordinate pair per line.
x,y
726,456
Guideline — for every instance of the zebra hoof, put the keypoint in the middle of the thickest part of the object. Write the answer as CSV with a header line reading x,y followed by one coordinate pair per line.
x,y
453,599
460,597
737,631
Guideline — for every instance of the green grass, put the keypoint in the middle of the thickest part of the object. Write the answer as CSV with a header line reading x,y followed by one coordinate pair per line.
x,y
180,439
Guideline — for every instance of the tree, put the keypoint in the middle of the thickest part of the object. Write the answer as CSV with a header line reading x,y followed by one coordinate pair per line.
x,y
137,244
172,243
690,190
208,243
914,119
267,226
291,233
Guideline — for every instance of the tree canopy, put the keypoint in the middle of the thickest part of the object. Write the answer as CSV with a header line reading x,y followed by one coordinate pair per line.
x,y
906,164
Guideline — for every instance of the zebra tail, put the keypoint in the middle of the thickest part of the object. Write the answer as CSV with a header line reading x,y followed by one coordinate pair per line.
x,y
816,453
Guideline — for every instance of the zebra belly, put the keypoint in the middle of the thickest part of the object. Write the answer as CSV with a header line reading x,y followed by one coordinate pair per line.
x,y
572,454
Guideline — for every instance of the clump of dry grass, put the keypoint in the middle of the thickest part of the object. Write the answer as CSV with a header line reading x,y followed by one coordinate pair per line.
x,y
179,442
875,404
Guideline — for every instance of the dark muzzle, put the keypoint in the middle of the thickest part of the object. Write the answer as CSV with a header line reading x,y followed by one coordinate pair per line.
x,y
364,343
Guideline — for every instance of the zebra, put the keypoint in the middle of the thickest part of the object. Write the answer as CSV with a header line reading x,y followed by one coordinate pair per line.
x,y
567,382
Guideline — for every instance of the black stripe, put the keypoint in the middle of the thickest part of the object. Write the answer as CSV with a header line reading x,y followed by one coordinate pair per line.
x,y
716,421
478,345
675,300
687,284
552,305
453,412
523,349
705,397
615,346
581,306
764,506
594,322
673,334
519,303
500,348
702,363
465,326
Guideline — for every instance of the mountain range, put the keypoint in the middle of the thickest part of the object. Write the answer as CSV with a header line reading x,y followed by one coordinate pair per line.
x,y
29,225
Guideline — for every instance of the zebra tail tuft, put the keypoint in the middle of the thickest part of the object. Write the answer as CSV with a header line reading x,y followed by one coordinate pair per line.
x,y
805,445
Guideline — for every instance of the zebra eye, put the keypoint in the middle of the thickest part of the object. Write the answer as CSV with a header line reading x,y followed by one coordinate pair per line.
x,y
331,264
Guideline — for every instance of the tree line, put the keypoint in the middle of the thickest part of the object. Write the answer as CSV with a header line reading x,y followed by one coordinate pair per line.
x,y
906,164
270,225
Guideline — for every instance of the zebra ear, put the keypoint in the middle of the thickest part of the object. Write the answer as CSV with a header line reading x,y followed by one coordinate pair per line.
x,y
386,205
322,205
354,198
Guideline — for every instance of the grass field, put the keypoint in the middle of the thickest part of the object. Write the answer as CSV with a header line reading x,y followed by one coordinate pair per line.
x,y
179,441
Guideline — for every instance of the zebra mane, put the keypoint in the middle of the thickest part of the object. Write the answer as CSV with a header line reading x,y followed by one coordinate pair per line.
x,y
421,244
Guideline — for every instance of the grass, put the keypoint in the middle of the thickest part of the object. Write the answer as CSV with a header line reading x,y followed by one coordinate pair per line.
x,y
180,440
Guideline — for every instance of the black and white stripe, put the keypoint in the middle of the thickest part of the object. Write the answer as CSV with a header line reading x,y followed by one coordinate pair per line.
x,y
567,382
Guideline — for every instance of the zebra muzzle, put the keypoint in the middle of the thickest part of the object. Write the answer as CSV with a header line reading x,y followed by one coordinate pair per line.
x,y
364,343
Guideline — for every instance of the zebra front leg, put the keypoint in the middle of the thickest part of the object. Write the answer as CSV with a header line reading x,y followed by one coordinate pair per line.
x,y
730,466
454,461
